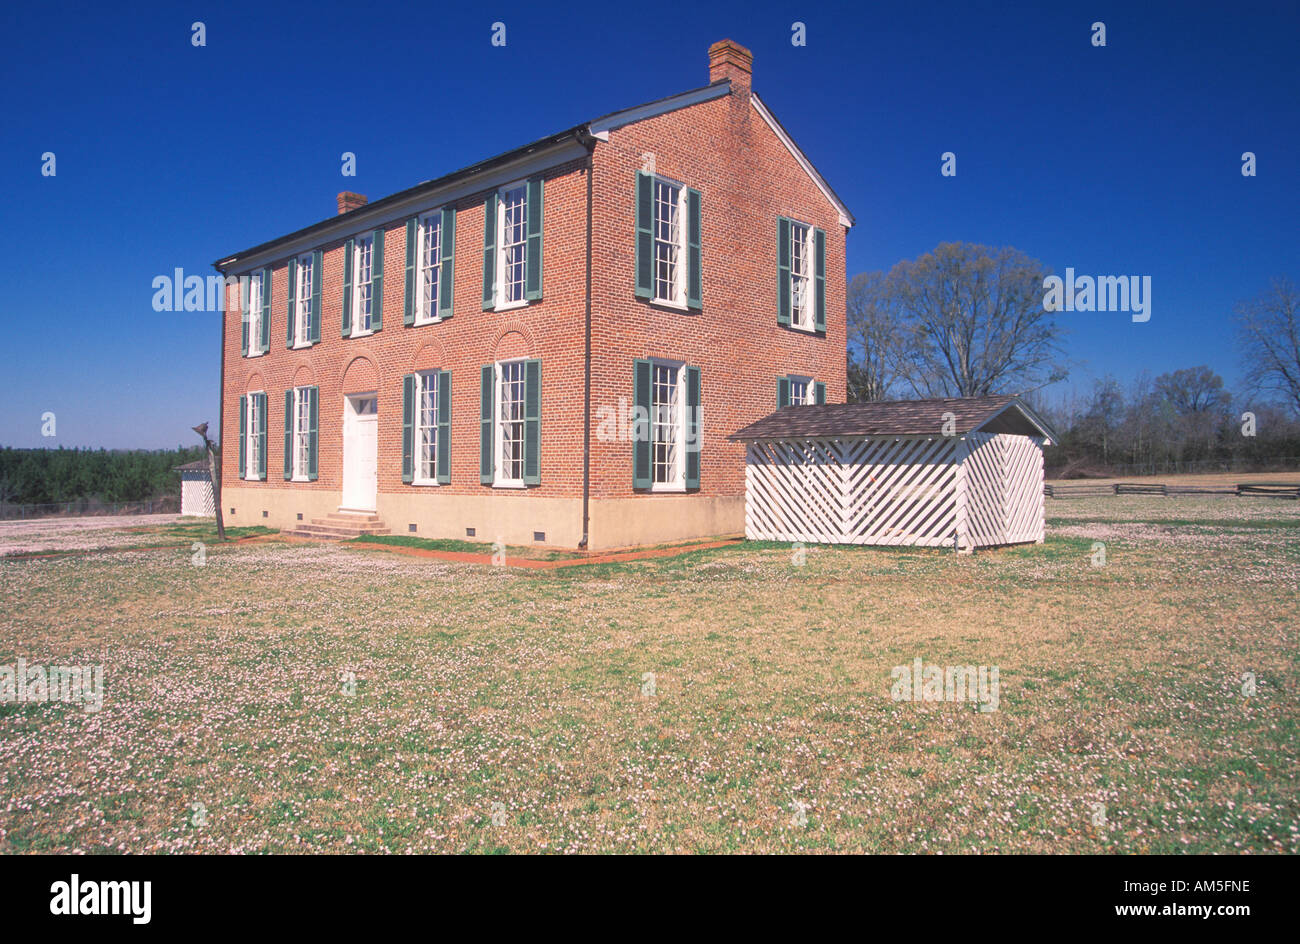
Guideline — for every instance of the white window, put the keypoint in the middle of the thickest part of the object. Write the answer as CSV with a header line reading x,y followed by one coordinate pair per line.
x,y
669,243
667,427
430,268
801,391
301,433
801,270
255,315
253,440
510,424
302,303
362,284
426,428
512,246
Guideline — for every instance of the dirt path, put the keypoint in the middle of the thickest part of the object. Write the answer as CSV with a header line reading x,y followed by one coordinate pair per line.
x,y
65,534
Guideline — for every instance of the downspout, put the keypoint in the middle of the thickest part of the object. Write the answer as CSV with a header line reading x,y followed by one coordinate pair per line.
x,y
589,142
221,403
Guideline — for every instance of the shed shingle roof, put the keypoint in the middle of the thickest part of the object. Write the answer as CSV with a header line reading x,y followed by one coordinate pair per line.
x,y
997,414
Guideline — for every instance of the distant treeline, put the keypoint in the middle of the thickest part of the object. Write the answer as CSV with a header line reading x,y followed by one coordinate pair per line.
x,y
1182,421
41,476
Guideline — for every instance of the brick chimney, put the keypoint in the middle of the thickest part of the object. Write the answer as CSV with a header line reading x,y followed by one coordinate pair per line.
x,y
730,60
351,201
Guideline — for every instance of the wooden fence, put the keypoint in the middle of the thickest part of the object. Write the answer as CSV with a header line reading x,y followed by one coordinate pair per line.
x,y
1093,490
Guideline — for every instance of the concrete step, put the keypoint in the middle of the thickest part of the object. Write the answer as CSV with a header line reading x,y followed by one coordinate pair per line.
x,y
341,532
348,519
338,526
316,534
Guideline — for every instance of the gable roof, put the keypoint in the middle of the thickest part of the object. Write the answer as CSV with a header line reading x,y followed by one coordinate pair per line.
x,y
994,414
846,218
561,145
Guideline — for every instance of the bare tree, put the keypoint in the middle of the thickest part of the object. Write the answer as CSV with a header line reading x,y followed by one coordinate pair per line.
x,y
1268,333
877,337
1100,424
977,322
1193,390
1198,402
214,469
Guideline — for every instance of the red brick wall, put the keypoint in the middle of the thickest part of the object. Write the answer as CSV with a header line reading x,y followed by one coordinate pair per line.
x,y
746,179
722,148
550,329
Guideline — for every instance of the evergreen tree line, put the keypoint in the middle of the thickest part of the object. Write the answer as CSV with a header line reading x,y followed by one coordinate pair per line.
x,y
43,476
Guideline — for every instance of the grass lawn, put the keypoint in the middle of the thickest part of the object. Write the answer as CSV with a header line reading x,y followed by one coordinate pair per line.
x,y
465,547
498,709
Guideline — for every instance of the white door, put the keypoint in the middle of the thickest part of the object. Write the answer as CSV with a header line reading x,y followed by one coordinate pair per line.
x,y
360,451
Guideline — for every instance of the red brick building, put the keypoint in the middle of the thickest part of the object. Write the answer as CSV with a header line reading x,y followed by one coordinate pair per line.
x,y
550,346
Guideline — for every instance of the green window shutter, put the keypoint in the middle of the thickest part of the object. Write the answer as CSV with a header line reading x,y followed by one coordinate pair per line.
x,y
490,251
694,256
645,244
260,406
313,414
266,311
408,428
533,422
288,434
693,427
447,265
485,425
533,234
317,264
408,290
820,389
243,315
782,270
782,392
243,435
444,427
819,297
348,248
292,294
377,281
641,404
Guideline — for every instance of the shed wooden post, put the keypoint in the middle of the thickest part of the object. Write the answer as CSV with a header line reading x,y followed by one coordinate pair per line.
x,y
963,541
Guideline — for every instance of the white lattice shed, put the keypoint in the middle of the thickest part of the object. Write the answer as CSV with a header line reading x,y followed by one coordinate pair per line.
x,y
964,472
196,489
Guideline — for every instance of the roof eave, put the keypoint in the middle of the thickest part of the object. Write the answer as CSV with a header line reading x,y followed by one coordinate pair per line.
x,y
846,218
372,211
1048,433
600,127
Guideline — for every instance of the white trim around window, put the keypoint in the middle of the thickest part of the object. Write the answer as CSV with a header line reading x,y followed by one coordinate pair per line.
x,y
363,272
668,231
512,246
508,432
667,426
302,302
802,271
425,459
251,437
803,391
254,315
301,433
428,266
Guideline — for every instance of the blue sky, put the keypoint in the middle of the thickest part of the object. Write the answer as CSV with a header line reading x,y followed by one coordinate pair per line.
x,y
1117,160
